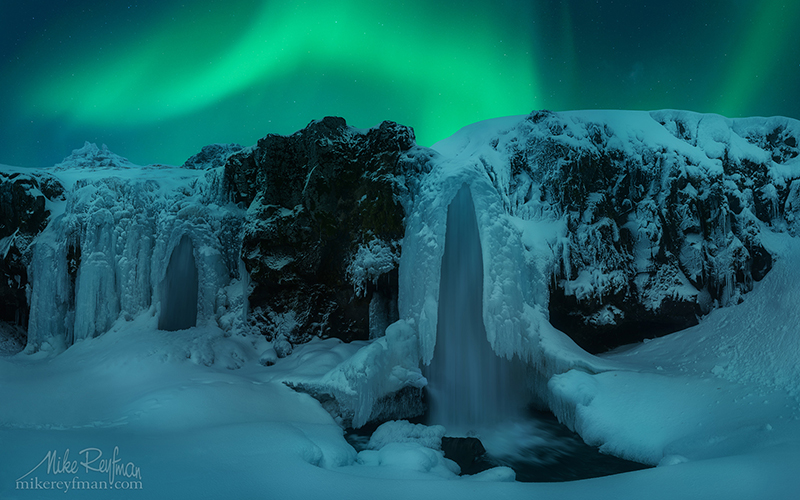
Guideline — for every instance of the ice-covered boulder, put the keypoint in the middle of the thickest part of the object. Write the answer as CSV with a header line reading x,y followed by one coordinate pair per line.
x,y
323,226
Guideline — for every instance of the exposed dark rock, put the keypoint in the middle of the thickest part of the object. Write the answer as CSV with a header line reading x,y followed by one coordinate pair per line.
x,y
23,214
323,206
468,453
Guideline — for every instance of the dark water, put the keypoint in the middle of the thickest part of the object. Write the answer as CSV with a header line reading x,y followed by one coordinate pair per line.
x,y
540,449
537,447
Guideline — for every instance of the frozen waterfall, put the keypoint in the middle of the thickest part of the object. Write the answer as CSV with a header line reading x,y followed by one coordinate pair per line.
x,y
469,386
179,289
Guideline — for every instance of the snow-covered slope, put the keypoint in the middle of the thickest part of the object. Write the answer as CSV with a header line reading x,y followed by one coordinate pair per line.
x,y
178,414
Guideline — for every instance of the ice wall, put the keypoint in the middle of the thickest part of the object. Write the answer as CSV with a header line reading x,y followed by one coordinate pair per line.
x,y
514,283
522,239
106,252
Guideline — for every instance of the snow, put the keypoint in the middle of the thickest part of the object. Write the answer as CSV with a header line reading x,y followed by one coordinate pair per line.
x,y
370,261
176,409
380,368
403,431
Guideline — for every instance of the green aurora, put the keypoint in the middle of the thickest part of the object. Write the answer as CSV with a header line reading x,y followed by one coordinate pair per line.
x,y
158,80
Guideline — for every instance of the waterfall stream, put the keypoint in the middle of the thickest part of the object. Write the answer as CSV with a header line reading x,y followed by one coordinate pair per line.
x,y
469,386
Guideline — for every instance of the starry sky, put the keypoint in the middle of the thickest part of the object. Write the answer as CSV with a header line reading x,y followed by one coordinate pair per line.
x,y
156,80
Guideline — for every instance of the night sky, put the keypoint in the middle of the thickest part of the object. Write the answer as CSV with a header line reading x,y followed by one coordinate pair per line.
x,y
157,80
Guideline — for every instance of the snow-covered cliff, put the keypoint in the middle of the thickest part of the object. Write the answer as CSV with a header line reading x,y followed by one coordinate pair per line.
x,y
636,223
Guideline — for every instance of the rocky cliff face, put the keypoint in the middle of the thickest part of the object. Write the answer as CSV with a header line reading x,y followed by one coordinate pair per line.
x,y
23,214
666,214
322,233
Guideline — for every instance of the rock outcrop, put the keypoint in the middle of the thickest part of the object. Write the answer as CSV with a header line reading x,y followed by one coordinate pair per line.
x,y
212,156
322,234
23,215
665,218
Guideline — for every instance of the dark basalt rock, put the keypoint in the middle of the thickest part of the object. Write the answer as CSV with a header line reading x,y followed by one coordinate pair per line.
x,y
660,238
23,214
315,199
468,453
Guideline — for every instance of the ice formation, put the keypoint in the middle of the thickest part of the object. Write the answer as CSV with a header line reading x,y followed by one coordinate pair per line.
x,y
179,289
106,251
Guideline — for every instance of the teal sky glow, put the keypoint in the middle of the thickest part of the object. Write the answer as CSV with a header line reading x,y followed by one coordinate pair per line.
x,y
156,81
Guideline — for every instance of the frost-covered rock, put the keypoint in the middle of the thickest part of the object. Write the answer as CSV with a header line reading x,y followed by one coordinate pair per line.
x,y
25,195
212,156
323,223
381,381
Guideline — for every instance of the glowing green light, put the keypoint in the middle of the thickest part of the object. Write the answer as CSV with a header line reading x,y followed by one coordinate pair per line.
x,y
762,56
444,69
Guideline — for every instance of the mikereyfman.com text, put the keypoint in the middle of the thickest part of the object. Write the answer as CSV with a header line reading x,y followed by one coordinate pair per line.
x,y
100,472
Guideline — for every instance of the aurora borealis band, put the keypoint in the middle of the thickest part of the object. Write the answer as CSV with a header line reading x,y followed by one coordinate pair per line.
x,y
157,80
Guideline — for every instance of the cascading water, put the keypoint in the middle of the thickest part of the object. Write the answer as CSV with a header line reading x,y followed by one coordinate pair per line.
x,y
469,386
179,289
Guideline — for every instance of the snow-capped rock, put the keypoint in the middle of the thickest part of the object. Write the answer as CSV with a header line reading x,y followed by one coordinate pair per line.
x,y
212,156
93,157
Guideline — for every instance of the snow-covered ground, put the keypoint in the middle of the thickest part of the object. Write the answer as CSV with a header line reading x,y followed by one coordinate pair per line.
x,y
716,407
